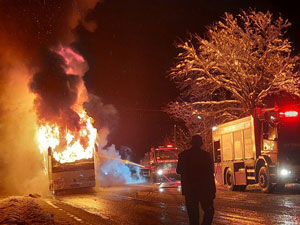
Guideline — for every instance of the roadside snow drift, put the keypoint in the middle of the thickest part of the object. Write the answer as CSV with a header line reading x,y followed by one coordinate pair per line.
x,y
23,210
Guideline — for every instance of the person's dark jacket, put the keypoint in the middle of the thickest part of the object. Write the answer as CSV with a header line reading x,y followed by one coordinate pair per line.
x,y
197,174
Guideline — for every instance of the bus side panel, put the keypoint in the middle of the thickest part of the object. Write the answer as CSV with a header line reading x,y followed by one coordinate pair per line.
x,y
73,179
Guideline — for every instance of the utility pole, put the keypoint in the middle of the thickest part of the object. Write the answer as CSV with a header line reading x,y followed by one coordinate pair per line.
x,y
175,144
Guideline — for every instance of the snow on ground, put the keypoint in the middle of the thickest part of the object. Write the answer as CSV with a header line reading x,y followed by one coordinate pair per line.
x,y
23,210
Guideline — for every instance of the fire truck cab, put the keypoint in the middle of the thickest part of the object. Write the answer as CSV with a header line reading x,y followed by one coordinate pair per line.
x,y
261,149
160,164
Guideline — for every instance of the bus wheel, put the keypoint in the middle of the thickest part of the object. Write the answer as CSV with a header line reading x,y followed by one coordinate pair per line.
x,y
264,180
229,180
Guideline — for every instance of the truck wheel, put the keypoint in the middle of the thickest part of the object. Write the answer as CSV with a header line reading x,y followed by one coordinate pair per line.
x,y
264,180
229,180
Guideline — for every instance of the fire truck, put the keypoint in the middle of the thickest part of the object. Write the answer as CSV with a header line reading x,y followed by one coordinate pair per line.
x,y
160,164
72,175
261,149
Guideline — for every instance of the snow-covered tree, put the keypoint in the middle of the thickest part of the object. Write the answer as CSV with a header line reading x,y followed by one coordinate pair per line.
x,y
242,61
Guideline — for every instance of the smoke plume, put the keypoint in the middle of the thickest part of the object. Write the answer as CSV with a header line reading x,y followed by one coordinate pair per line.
x,y
20,160
56,92
111,172
105,115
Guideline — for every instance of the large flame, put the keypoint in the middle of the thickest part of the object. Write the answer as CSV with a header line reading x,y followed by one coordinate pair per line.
x,y
70,145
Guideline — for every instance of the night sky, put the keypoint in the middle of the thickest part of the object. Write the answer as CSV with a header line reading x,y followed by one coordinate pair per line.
x,y
129,54
133,49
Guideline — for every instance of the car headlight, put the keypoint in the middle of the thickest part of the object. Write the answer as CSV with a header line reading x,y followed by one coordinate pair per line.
x,y
285,172
160,172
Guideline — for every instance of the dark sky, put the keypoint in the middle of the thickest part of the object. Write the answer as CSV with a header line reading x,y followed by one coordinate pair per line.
x,y
133,48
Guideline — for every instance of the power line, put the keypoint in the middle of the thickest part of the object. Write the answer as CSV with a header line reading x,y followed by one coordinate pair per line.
x,y
142,110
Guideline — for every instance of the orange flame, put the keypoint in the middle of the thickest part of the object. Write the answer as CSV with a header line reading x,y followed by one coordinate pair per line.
x,y
51,136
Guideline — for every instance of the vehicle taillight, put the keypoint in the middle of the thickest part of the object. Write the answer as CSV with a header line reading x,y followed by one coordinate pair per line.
x,y
169,146
290,113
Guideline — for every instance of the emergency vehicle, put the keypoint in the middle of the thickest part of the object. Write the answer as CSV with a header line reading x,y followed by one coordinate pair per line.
x,y
160,164
261,149
65,176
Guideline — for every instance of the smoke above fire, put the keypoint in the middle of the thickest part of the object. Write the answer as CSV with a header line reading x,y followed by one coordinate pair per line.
x,y
56,91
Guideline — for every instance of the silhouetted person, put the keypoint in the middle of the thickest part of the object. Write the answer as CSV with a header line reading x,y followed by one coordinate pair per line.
x,y
197,181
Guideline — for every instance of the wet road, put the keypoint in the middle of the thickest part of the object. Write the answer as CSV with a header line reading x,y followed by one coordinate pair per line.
x,y
154,205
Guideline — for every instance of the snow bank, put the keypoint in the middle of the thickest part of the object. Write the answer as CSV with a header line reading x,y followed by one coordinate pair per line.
x,y
23,210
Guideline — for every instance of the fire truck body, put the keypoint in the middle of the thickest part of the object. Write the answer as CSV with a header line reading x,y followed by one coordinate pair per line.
x,y
65,176
162,164
263,149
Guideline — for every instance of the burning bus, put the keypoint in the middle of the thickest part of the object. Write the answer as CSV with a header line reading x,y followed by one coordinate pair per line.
x,y
66,135
70,155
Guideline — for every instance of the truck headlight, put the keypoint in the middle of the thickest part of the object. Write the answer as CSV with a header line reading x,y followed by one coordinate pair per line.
x,y
285,172
160,172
